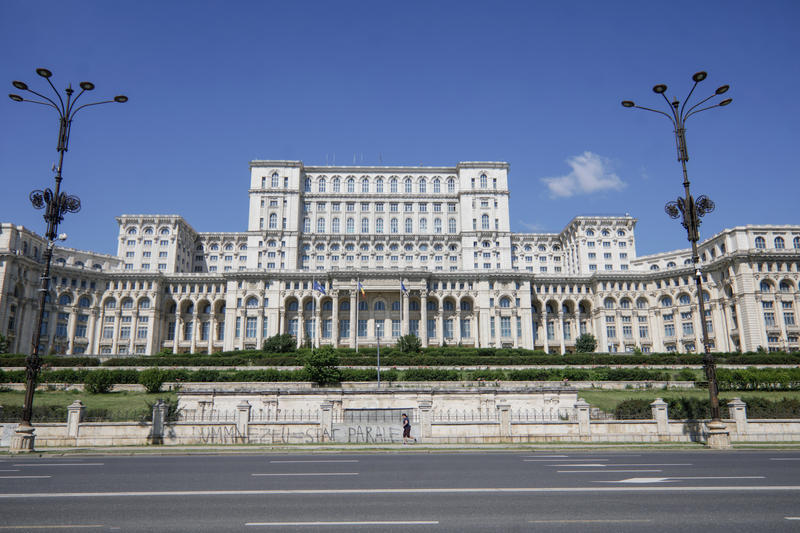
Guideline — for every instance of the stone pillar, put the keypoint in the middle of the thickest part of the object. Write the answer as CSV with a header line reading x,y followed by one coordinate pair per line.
x,y
177,331
317,341
423,318
425,415
195,329
440,323
260,329
582,413
545,332
74,415
159,421
718,436
660,415
504,412
457,325
405,317
73,323
243,421
326,421
92,347
353,318
738,411
335,319
561,330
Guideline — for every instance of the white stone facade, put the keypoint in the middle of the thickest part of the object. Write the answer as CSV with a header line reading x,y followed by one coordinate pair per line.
x,y
443,232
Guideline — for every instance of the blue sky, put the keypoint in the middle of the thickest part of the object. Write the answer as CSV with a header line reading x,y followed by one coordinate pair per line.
x,y
213,85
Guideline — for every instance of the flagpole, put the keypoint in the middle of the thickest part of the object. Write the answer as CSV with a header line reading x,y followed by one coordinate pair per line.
x,y
313,312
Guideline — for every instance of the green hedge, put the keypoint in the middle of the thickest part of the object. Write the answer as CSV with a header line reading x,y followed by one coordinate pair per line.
x,y
759,379
8,360
696,409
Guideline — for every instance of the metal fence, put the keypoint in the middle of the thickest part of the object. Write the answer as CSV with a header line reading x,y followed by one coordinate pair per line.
x,y
206,416
375,416
543,415
285,415
465,415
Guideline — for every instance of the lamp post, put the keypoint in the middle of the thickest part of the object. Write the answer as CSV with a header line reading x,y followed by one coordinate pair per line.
x,y
691,210
56,204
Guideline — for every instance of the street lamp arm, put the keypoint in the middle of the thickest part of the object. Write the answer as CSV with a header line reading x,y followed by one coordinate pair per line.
x,y
675,116
698,104
75,112
700,110
63,108
71,105
49,104
59,109
686,100
656,111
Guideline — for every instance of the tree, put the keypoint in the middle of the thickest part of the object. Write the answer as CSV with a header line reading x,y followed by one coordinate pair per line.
x,y
3,344
409,344
280,344
586,343
322,365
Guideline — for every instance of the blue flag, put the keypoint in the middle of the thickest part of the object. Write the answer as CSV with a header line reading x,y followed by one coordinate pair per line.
x,y
318,287
403,286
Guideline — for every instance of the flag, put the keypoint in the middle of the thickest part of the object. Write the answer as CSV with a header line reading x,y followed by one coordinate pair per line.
x,y
318,287
361,289
403,286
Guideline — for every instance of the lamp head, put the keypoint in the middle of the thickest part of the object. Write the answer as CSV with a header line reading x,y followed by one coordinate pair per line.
x,y
723,89
121,99
15,97
62,236
21,85
87,85
43,72
627,103
697,77
660,88
725,102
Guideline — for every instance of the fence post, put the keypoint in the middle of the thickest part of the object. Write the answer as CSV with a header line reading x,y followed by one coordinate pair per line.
x,y
326,421
243,421
738,410
74,415
505,419
159,418
425,407
582,412
660,415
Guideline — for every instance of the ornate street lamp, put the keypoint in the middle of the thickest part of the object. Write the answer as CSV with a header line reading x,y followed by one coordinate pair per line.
x,y
691,210
55,204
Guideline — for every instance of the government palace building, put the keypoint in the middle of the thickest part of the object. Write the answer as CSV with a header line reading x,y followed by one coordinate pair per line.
x,y
345,256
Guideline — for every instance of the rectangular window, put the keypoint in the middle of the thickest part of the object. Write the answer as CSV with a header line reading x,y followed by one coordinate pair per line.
x,y
293,327
125,332
108,332
413,327
643,333
395,327
465,328
431,328
491,327
611,332
238,332
141,332
788,318
627,331
188,328
769,318
362,328
669,330
344,328
448,328
310,326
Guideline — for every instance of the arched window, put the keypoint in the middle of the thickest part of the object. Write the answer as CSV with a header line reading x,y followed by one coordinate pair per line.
x,y
505,301
423,186
766,286
65,299
451,185
625,303
132,231
84,302
484,221
407,185
321,185
785,286
409,226
292,306
275,180
309,306
451,225
653,267
362,306
432,305
796,242
671,264
396,305
252,302
365,225
144,303
393,185
760,242
620,233
344,306
379,185
379,225
779,242
307,185
466,305
437,225
393,226
483,181
351,225
335,226
148,231
307,225
336,184
327,306
423,225
641,303
666,301
320,225
364,185
684,299
608,303
351,185
164,231
413,305
437,185
379,306
448,305
127,303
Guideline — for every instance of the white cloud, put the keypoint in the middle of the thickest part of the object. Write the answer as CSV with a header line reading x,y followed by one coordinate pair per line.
x,y
590,173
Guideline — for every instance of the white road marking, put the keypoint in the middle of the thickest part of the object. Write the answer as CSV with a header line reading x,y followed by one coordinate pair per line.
x,y
628,464
311,474
488,490
545,456
784,458
58,464
17,470
605,471
585,464
24,477
363,523
791,517
588,521
671,478
551,460
63,526
321,461
638,480
717,477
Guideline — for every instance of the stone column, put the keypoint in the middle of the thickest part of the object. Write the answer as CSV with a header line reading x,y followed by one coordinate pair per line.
x,y
545,332
260,330
212,331
134,327
561,331
91,348
195,329
423,318
353,315
73,323
440,324
159,420
743,344
74,415
718,436
335,319
425,415
738,411
504,411
457,325
659,410
115,340
243,421
326,421
584,425
177,331
317,341
405,318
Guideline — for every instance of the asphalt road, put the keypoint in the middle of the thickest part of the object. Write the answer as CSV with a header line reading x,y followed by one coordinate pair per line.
x,y
536,491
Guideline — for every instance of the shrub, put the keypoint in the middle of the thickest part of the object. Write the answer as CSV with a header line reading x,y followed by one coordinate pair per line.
x,y
152,379
99,381
409,344
280,344
586,343
321,366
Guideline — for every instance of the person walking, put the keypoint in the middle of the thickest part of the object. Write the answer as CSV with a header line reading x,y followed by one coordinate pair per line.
x,y
407,430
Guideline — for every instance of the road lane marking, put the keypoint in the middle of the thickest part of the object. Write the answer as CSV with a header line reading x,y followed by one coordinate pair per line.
x,y
58,464
321,461
347,492
311,474
672,478
17,470
784,458
584,464
551,460
64,526
791,517
717,477
626,464
590,521
604,471
361,523
24,477
546,456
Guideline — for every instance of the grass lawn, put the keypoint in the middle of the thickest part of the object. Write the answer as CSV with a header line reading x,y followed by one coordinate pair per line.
x,y
112,401
607,400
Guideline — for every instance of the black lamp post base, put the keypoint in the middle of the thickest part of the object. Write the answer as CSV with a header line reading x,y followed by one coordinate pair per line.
x,y
718,436
23,440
